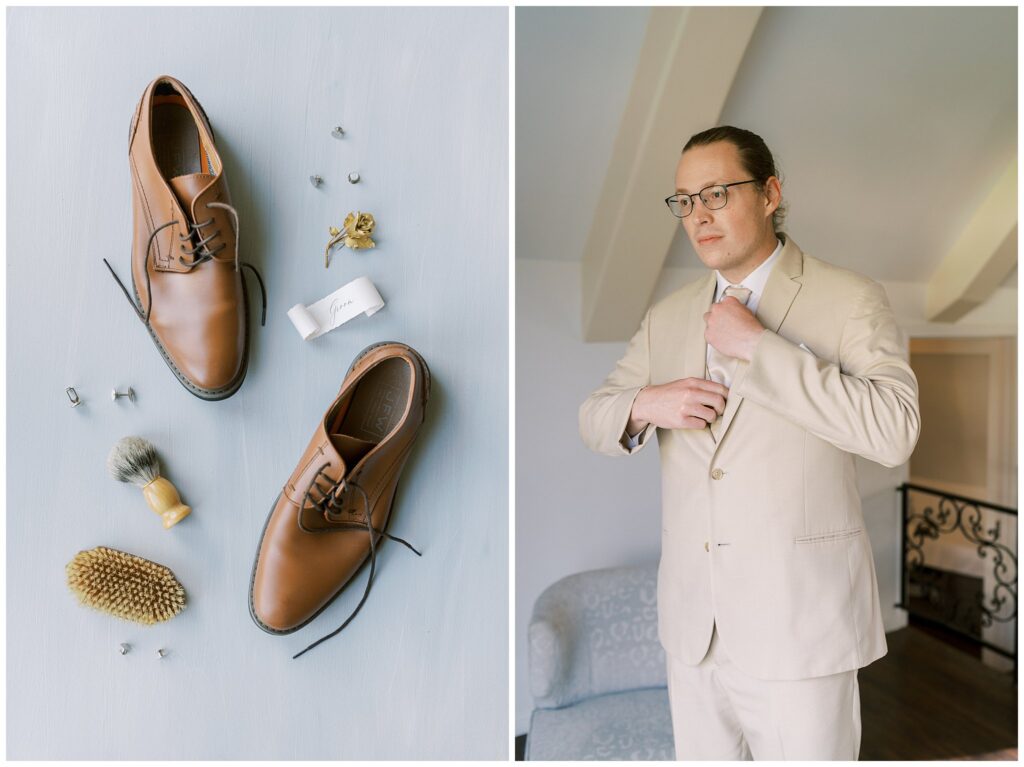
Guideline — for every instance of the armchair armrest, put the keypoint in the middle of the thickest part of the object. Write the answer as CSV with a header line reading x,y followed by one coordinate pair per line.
x,y
553,633
593,633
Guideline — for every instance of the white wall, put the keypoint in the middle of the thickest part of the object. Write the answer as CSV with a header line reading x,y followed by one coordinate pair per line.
x,y
576,510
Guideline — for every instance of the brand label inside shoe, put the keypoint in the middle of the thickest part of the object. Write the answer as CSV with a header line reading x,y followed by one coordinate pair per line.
x,y
384,407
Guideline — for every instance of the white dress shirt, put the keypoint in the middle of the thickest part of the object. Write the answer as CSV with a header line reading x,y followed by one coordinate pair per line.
x,y
755,283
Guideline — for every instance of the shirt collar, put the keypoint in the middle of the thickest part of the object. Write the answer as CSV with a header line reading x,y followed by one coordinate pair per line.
x,y
756,280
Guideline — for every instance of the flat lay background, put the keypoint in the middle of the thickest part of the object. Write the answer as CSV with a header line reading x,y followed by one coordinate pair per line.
x,y
423,670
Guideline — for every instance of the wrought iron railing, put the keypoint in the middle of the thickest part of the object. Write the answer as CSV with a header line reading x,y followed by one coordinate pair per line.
x,y
948,514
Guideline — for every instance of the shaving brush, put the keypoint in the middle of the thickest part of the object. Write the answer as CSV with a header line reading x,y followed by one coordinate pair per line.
x,y
125,586
134,460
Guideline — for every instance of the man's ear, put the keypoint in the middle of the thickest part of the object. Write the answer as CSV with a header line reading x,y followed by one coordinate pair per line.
x,y
773,195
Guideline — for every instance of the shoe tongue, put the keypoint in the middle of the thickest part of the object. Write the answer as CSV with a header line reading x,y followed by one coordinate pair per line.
x,y
187,188
351,449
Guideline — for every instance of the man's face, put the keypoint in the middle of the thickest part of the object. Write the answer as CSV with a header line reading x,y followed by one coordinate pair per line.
x,y
731,239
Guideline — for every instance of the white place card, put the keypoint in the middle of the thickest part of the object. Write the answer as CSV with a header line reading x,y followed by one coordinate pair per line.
x,y
357,297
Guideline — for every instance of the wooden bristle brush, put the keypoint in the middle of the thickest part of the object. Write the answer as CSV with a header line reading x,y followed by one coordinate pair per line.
x,y
134,460
125,586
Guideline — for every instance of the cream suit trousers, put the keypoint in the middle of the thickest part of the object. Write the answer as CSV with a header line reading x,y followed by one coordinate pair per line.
x,y
720,713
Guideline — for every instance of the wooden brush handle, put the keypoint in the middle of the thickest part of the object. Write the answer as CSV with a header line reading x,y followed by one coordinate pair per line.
x,y
163,498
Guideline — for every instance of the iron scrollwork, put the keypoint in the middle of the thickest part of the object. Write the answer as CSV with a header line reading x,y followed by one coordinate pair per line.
x,y
952,514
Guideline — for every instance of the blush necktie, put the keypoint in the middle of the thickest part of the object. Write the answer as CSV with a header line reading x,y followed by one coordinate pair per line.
x,y
720,367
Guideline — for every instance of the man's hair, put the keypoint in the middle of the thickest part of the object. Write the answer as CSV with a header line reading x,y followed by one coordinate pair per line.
x,y
755,157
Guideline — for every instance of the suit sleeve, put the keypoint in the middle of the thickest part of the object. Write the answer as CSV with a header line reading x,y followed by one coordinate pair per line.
x,y
867,404
604,415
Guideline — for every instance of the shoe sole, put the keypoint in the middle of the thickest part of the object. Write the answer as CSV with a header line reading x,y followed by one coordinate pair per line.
x,y
263,532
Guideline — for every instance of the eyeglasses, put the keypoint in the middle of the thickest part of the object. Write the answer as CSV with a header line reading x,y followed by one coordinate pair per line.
x,y
713,197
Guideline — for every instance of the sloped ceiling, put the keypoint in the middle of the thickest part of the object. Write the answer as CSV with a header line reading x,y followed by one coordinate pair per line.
x,y
889,125
574,69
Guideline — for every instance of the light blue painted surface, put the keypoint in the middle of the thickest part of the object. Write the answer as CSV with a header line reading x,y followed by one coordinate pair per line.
x,y
423,670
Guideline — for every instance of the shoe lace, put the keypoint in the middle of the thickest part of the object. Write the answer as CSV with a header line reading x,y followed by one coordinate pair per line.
x,y
328,504
199,254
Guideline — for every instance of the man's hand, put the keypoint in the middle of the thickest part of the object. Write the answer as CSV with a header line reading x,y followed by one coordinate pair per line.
x,y
687,403
732,328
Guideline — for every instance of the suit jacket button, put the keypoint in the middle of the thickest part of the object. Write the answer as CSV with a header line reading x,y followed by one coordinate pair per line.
x,y
706,547
717,474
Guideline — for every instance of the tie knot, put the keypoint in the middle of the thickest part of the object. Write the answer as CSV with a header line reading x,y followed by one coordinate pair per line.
x,y
741,294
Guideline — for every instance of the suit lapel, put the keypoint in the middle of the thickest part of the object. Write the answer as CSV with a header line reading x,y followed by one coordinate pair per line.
x,y
695,348
779,292
782,286
690,346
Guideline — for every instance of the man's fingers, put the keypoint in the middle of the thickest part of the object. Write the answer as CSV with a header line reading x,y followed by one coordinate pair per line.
x,y
711,386
700,411
705,412
715,401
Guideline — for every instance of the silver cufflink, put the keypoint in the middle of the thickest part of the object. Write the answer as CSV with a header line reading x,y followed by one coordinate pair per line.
x,y
116,395
124,648
353,178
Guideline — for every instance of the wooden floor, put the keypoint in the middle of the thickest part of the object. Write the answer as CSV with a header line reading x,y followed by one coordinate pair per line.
x,y
928,700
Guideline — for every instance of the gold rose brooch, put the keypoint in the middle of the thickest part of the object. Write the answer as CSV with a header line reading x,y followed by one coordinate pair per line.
x,y
356,233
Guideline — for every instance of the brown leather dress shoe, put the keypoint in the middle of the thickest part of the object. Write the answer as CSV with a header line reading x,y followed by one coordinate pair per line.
x,y
327,520
186,271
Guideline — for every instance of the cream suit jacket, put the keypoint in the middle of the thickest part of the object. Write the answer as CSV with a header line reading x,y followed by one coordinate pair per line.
x,y
762,531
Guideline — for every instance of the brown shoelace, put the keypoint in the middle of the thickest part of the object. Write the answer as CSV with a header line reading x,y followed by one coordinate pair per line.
x,y
199,254
327,504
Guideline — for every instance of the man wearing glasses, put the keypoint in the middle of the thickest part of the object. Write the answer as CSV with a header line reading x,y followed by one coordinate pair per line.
x,y
762,381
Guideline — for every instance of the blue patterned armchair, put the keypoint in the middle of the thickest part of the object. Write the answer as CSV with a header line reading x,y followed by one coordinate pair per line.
x,y
597,669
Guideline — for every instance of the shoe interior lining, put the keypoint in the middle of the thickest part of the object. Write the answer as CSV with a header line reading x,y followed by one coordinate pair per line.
x,y
372,410
177,143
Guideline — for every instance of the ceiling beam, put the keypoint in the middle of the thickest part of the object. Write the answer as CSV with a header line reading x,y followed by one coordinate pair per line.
x,y
981,258
674,95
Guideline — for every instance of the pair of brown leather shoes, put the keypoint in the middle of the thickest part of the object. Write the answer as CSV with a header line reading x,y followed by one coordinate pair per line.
x,y
190,294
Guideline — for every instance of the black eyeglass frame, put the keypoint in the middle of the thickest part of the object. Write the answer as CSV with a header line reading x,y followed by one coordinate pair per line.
x,y
693,204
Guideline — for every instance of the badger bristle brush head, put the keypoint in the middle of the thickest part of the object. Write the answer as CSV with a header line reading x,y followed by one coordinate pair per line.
x,y
125,586
134,460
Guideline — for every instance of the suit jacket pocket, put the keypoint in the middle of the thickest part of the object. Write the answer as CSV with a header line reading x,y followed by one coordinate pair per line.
x,y
836,535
